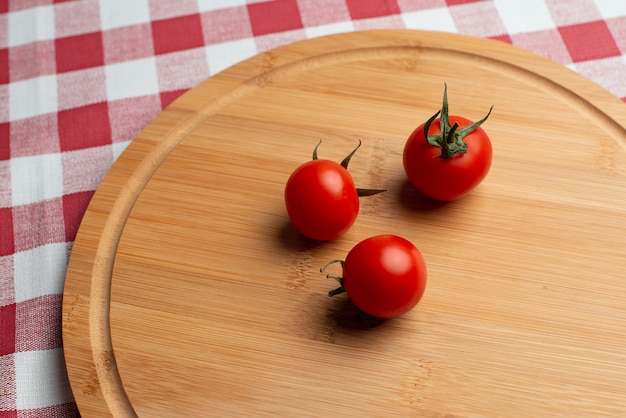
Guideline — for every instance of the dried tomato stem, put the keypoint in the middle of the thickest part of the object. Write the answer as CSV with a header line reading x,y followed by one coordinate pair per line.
x,y
346,160
337,260
368,192
336,291
339,279
315,150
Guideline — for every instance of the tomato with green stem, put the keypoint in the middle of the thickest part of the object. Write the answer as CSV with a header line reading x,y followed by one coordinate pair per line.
x,y
447,157
384,276
321,199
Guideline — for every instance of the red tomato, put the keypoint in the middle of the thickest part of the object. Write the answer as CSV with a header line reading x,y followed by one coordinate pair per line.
x,y
321,199
384,276
447,167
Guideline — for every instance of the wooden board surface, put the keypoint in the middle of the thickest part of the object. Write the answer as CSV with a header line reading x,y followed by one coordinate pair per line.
x,y
188,293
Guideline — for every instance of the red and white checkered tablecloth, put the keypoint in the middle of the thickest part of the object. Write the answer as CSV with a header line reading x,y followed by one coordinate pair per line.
x,y
80,79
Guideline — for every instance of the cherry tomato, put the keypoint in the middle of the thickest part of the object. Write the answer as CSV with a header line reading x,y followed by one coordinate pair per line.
x,y
384,276
445,158
321,199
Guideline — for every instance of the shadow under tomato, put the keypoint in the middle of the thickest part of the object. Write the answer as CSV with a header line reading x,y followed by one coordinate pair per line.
x,y
290,238
411,198
345,315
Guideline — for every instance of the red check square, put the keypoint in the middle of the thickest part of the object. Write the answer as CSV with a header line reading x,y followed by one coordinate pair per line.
x,y
5,148
365,9
168,97
74,206
7,244
274,16
79,51
177,34
4,66
84,127
12,413
506,38
599,44
7,325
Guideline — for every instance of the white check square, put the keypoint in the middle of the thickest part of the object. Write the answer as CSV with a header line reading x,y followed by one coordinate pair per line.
x,y
210,5
606,72
328,29
41,379
33,97
132,79
611,8
119,147
524,16
40,271
36,177
30,25
431,19
222,56
118,13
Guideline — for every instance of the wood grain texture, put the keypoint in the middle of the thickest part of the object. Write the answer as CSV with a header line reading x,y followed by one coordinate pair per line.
x,y
189,294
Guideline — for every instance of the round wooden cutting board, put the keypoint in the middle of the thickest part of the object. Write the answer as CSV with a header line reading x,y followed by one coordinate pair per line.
x,y
189,293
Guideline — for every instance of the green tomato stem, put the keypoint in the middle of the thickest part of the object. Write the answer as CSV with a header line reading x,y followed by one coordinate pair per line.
x,y
451,138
